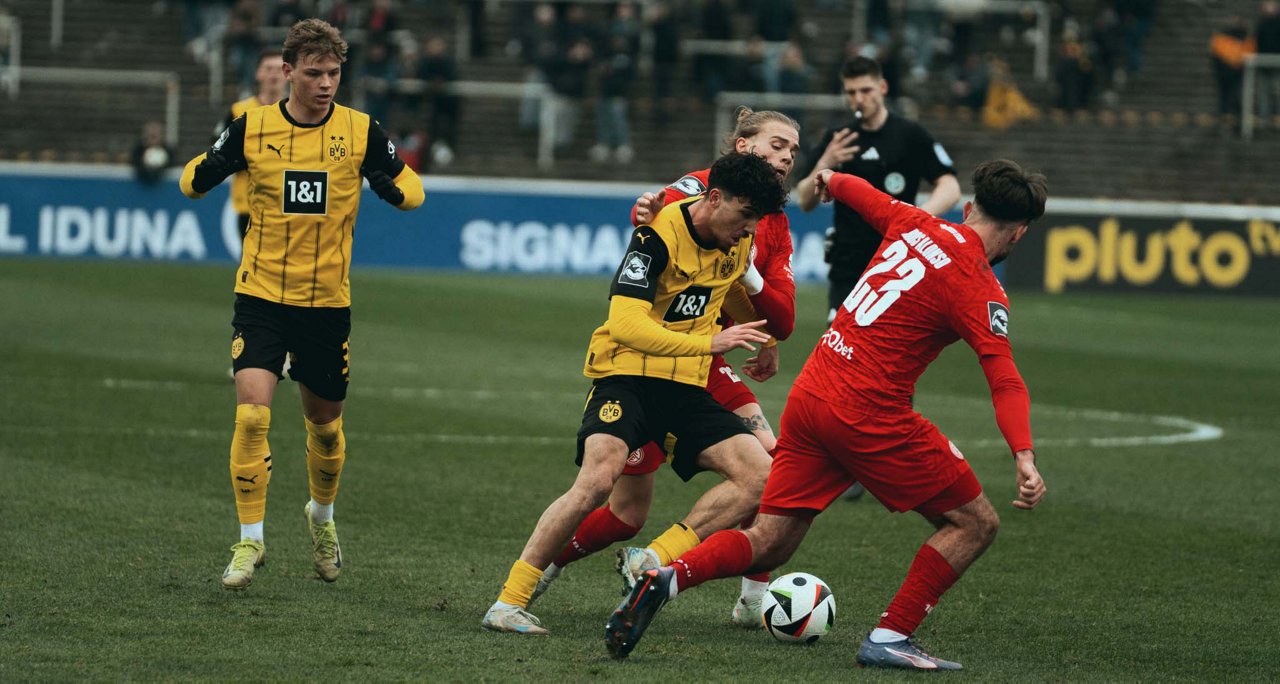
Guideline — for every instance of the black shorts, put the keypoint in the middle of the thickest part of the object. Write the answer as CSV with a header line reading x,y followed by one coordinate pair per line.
x,y
639,410
314,337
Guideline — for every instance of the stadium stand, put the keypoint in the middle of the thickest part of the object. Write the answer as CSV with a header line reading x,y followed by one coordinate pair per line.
x,y
1149,135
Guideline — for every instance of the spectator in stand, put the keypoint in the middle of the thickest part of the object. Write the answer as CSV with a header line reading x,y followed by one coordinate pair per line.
x,y
1136,17
626,23
969,83
243,46
1228,48
713,70
381,23
1267,35
1106,48
538,50
344,13
151,154
613,128
288,13
749,74
1073,74
568,76
378,76
4,37
665,26
438,69
794,75
775,20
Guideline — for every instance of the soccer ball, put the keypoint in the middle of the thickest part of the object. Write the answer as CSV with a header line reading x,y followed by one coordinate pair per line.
x,y
799,608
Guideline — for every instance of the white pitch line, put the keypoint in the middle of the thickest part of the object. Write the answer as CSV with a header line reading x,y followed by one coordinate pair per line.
x,y
1189,430
195,433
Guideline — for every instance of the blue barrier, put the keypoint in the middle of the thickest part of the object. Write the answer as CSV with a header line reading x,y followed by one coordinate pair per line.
x,y
471,224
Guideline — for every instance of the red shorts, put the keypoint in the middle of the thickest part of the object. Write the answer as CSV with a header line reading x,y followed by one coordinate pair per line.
x,y
900,457
725,387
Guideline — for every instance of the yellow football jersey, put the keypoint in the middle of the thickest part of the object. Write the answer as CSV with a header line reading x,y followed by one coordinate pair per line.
x,y
240,181
304,195
686,281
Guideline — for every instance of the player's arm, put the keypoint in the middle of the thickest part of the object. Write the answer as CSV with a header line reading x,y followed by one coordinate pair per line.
x,y
946,192
774,294
224,158
390,178
983,323
635,285
877,208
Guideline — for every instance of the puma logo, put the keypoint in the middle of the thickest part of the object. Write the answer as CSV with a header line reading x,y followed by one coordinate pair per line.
x,y
278,150
250,480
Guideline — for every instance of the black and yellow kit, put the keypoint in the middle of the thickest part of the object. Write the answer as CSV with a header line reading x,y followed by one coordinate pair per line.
x,y
669,278
304,194
240,181
651,358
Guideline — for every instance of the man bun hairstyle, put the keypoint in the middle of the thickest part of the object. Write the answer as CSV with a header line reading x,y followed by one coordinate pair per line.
x,y
749,122
313,38
750,178
861,66
1006,193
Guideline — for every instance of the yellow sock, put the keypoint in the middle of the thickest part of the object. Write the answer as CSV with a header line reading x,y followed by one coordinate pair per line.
x,y
674,543
520,583
251,462
326,452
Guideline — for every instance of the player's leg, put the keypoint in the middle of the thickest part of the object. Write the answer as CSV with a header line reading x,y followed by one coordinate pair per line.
x,y
803,480
619,519
319,339
613,418
602,461
748,607
966,525
257,352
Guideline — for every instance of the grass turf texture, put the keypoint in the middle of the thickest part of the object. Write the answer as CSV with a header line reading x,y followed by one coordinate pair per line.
x,y
1145,562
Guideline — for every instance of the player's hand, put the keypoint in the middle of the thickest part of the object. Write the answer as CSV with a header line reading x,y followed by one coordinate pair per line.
x,y
763,365
840,150
739,337
1031,487
219,165
820,185
384,187
647,206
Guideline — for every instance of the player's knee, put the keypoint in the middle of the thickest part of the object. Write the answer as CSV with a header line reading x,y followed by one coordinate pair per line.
x,y
253,421
988,524
770,550
326,435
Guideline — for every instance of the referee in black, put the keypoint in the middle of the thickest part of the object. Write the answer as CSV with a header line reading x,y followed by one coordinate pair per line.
x,y
888,151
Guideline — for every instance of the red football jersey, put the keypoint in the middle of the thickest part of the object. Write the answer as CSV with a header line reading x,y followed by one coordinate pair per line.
x,y
771,253
928,286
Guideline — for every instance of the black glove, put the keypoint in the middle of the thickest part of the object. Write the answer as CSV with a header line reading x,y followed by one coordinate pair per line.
x,y
213,170
384,187
828,243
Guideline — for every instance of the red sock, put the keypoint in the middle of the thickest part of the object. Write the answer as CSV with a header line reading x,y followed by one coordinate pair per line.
x,y
598,531
928,579
724,554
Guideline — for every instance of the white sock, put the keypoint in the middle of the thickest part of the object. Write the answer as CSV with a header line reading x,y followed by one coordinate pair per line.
x,y
880,635
751,587
500,604
321,513
552,571
252,531
675,588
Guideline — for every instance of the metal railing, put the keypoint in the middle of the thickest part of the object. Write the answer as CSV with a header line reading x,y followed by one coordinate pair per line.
x,y
512,91
1249,114
113,78
13,68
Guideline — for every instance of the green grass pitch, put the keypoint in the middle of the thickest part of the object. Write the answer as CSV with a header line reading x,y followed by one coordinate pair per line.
x,y
1154,556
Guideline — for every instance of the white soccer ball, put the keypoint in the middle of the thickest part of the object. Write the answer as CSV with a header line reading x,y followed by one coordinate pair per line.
x,y
799,608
